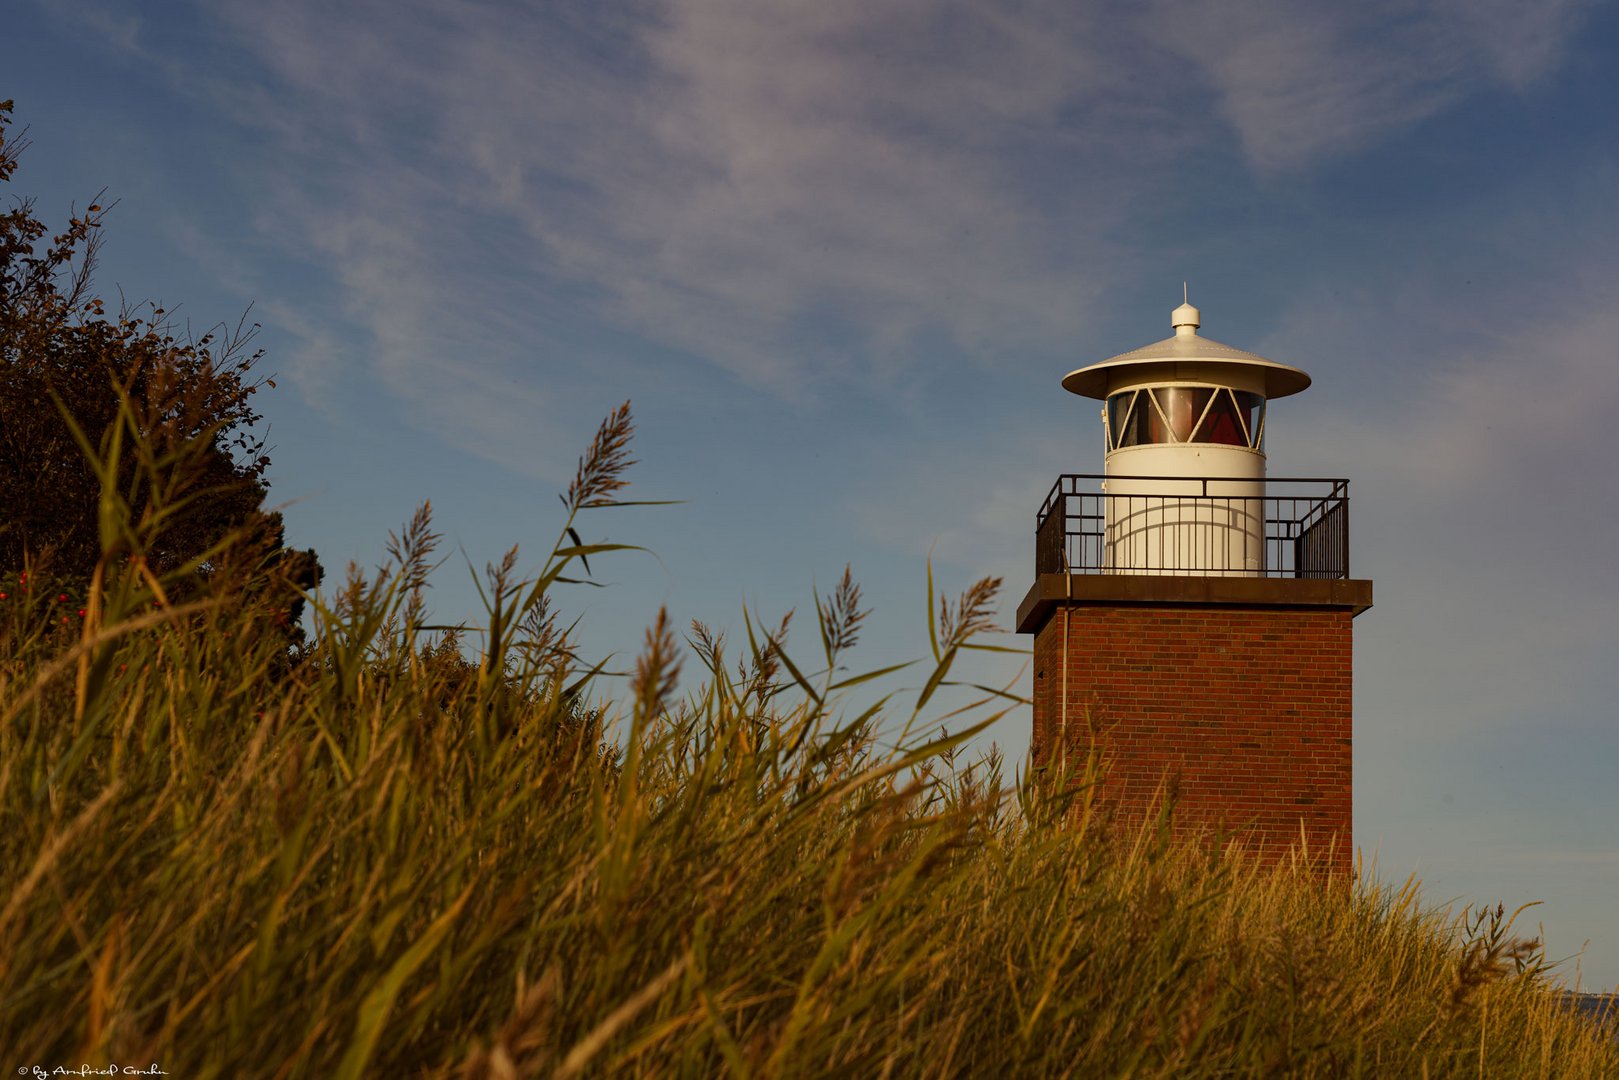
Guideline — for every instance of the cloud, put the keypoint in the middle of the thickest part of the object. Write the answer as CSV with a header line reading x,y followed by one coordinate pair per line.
x,y
1521,42
770,177
1474,421
1519,407
811,197
799,195
1303,82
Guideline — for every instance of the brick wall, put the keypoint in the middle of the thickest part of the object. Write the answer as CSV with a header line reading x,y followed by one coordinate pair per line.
x,y
1245,710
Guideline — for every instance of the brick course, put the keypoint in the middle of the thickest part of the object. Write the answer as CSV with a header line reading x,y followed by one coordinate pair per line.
x,y
1244,711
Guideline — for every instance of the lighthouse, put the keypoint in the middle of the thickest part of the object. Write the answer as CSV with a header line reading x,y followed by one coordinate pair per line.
x,y
1192,616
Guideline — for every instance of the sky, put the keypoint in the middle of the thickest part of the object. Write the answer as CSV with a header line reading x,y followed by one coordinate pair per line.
x,y
839,255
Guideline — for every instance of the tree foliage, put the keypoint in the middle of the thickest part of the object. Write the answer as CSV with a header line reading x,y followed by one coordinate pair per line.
x,y
197,484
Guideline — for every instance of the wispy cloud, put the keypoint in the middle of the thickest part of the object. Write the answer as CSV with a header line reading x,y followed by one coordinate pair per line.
x,y
805,196
1475,421
1303,82
800,198
796,195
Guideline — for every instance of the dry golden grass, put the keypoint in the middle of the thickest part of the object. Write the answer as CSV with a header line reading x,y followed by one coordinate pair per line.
x,y
393,862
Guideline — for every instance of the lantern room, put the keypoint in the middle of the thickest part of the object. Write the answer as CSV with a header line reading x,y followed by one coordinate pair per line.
x,y
1192,409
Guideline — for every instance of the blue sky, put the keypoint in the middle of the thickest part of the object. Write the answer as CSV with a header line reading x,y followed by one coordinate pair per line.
x,y
839,255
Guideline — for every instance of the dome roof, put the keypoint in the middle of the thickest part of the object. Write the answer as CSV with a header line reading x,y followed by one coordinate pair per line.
x,y
1183,348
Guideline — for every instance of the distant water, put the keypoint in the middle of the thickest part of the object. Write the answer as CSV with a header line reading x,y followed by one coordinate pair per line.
x,y
1597,1007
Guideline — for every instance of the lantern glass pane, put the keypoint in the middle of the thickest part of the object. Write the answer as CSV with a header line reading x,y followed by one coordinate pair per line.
x,y
1221,423
1179,409
1252,408
1129,426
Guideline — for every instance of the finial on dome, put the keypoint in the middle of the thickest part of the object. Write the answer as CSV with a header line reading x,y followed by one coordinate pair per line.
x,y
1185,319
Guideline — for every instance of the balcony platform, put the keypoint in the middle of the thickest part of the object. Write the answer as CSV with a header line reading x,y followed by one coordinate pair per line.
x,y
1051,591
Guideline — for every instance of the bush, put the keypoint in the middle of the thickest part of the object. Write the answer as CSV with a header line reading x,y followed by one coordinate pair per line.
x,y
74,378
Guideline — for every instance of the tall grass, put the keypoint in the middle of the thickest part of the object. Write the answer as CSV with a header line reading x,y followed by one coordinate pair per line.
x,y
390,861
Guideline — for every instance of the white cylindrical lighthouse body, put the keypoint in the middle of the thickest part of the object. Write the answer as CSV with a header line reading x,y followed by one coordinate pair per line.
x,y
1184,422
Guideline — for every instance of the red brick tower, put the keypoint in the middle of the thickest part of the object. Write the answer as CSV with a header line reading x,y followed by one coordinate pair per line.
x,y
1192,615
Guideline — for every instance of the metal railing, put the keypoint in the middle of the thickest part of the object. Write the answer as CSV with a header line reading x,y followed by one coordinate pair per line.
x,y
1287,527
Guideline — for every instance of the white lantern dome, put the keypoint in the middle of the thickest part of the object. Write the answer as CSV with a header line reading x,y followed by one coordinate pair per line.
x,y
1190,354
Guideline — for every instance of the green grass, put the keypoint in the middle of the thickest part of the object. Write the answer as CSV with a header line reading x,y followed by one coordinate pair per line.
x,y
391,862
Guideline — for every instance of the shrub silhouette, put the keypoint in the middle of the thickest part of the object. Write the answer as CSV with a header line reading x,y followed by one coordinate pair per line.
x,y
69,370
